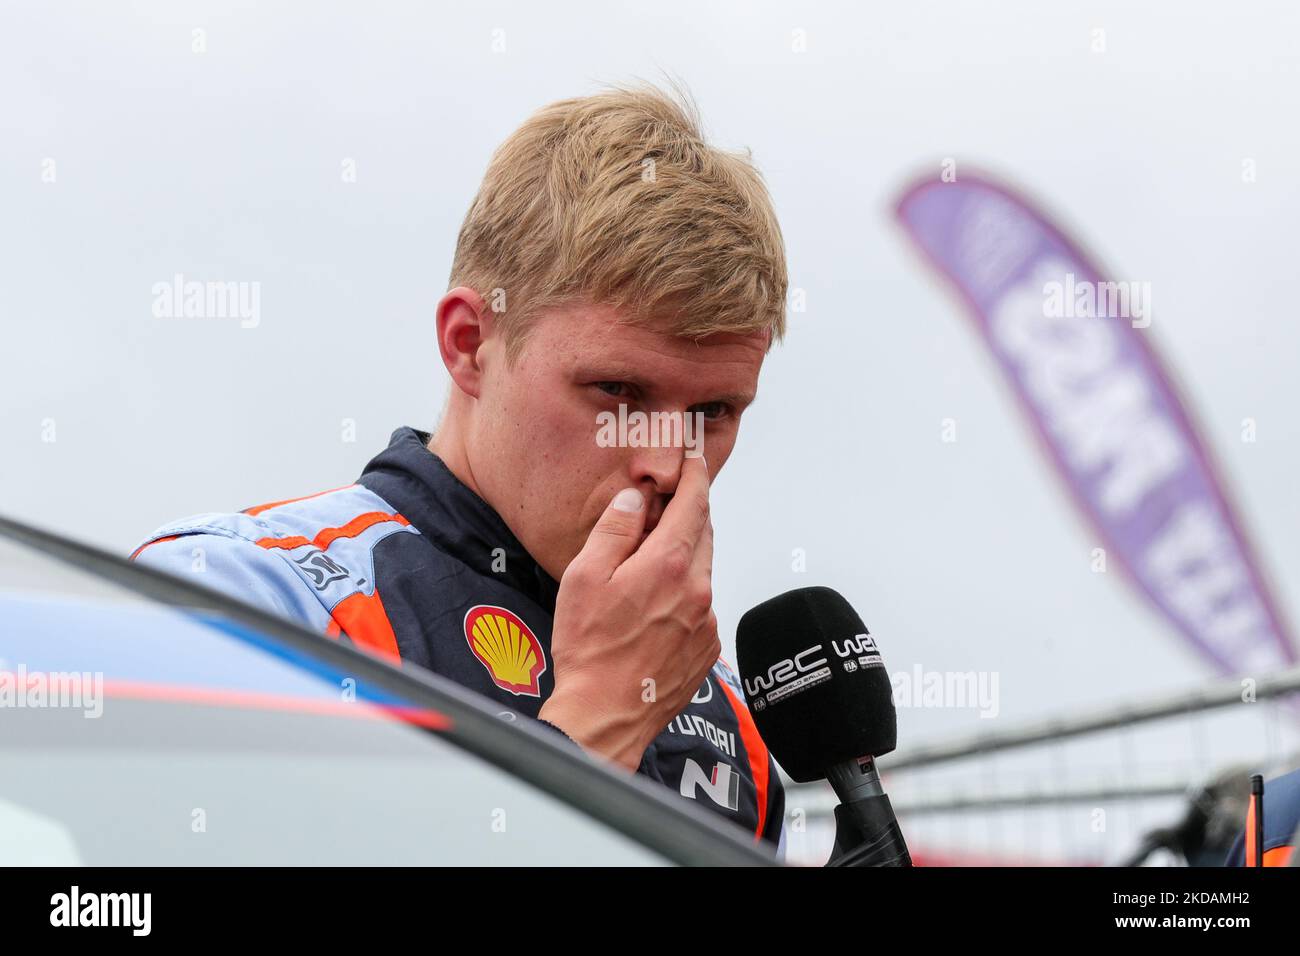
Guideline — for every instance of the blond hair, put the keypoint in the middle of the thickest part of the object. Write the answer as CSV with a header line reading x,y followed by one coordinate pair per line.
x,y
615,199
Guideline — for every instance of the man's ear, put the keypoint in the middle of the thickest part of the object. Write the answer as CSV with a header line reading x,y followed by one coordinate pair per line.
x,y
464,324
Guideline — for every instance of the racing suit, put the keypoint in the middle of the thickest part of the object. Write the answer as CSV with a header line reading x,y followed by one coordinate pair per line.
x,y
1281,825
410,563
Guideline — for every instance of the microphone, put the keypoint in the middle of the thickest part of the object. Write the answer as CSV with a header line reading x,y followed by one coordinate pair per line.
x,y
821,697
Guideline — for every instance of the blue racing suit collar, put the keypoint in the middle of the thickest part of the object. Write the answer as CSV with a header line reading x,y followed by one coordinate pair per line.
x,y
423,489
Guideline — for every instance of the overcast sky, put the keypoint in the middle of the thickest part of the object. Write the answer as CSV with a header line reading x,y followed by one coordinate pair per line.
x,y
130,157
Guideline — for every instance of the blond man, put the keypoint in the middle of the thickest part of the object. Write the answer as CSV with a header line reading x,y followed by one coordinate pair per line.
x,y
614,267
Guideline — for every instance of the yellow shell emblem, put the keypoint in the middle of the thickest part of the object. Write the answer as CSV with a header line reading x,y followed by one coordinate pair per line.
x,y
507,648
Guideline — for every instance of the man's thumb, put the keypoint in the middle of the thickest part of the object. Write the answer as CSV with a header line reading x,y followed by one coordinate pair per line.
x,y
617,533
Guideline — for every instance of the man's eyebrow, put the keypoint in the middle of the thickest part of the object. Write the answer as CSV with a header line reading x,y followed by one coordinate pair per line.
x,y
622,373
742,399
611,373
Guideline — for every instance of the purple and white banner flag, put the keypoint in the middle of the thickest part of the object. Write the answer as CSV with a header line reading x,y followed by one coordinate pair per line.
x,y
1076,349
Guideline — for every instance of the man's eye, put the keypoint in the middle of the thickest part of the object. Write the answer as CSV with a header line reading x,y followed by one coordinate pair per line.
x,y
617,389
712,411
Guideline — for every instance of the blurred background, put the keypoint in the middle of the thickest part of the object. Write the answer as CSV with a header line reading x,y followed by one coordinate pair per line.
x,y
328,152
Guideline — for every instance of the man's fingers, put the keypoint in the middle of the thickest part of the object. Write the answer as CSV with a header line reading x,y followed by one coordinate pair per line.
x,y
702,563
616,534
687,513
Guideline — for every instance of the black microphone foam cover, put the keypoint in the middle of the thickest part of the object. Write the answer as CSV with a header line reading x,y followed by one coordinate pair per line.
x,y
815,682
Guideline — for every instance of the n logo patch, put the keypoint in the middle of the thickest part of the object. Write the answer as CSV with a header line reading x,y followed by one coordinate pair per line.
x,y
722,785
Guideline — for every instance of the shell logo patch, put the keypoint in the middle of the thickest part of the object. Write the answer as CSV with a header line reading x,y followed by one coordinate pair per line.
x,y
506,646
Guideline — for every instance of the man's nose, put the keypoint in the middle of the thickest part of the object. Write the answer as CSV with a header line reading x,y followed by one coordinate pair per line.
x,y
660,468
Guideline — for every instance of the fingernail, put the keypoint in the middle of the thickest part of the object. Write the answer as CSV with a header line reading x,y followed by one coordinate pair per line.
x,y
630,500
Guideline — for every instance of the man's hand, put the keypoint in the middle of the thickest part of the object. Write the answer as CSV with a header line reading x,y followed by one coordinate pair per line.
x,y
635,634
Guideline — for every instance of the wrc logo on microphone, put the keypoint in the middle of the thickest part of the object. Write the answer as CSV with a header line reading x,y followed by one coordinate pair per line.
x,y
787,677
861,651
859,644
782,671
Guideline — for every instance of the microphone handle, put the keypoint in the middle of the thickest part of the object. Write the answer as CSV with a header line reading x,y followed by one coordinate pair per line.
x,y
867,834
866,829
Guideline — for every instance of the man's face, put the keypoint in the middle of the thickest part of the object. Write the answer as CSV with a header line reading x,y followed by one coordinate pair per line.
x,y
534,439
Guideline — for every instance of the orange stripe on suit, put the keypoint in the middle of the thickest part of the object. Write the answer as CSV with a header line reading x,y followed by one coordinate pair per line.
x,y
757,750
